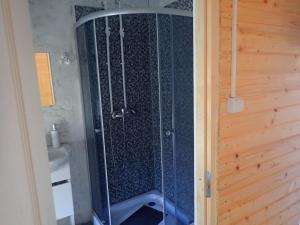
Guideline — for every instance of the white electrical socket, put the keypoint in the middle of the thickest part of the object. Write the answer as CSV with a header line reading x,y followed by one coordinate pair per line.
x,y
235,104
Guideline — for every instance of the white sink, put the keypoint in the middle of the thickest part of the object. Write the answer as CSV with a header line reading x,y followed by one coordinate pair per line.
x,y
58,157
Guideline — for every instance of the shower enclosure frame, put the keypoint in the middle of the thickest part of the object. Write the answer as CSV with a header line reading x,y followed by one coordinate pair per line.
x,y
205,206
113,213
119,12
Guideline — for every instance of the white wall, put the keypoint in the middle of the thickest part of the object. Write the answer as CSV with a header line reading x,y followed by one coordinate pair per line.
x,y
53,32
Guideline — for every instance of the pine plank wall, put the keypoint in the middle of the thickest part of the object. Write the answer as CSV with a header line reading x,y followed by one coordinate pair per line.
x,y
259,152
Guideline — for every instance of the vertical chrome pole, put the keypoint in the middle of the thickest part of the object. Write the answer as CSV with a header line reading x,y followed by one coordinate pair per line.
x,y
160,116
124,110
107,31
123,61
173,111
101,118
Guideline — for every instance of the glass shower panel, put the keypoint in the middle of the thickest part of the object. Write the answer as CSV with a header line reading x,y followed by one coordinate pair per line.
x,y
175,38
182,39
138,117
93,119
167,131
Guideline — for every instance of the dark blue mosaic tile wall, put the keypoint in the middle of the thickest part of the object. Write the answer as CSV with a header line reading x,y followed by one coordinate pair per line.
x,y
128,140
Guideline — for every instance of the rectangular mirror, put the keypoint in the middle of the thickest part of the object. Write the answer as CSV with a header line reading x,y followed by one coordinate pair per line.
x,y
43,68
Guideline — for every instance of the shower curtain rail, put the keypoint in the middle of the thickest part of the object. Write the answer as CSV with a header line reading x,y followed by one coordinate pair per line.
x,y
114,12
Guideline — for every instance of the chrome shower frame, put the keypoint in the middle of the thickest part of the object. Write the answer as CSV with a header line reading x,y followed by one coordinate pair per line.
x,y
119,12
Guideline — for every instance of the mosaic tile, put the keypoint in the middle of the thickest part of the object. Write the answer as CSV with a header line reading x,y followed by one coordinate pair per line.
x,y
129,143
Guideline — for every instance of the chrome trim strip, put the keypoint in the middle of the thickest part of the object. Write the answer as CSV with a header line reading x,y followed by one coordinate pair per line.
x,y
107,32
101,118
173,113
123,61
160,117
114,12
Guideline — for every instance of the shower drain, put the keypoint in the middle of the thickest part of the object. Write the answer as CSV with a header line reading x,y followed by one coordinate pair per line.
x,y
151,203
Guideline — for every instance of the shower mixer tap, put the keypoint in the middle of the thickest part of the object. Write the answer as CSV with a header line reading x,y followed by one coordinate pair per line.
x,y
122,113
116,115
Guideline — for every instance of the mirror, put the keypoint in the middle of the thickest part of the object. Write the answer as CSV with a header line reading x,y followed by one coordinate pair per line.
x,y
43,68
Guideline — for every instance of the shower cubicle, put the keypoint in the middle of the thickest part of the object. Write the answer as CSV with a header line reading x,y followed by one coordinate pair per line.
x,y
137,84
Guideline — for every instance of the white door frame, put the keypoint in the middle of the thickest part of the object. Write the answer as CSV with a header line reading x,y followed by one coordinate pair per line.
x,y
25,148
25,177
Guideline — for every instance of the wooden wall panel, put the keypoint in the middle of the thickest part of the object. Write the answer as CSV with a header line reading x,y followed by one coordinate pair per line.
x,y
259,148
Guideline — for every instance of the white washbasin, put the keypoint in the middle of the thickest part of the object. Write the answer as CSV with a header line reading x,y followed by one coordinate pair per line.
x,y
58,157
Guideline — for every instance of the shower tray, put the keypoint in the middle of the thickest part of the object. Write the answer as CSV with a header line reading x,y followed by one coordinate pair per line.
x,y
123,210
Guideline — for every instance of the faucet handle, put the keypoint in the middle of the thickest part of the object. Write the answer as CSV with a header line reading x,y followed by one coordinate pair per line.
x,y
123,112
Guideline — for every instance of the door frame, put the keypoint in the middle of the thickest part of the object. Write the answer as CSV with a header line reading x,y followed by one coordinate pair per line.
x,y
206,108
14,15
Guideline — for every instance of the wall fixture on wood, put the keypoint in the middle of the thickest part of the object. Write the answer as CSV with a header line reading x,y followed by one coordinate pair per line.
x,y
43,68
235,104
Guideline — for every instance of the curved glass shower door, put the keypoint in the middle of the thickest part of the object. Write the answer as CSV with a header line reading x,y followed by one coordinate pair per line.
x,y
183,113
96,140
175,54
